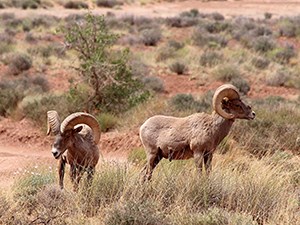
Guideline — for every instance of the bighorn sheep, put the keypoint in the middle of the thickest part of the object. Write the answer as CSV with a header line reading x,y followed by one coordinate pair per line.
x,y
196,135
79,133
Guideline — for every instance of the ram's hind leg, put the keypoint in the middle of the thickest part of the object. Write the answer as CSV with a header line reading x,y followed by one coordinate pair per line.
x,y
152,160
207,161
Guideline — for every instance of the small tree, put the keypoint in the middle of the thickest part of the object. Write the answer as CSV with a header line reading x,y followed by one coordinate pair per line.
x,y
103,69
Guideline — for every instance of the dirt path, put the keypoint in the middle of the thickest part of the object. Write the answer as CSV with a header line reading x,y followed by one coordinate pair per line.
x,y
248,8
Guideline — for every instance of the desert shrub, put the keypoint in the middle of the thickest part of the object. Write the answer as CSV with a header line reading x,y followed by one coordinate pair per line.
x,y
201,38
44,21
283,55
30,38
178,68
277,130
135,212
150,37
226,73
26,188
260,62
241,84
30,4
137,156
216,16
216,27
12,92
260,31
191,13
278,78
19,63
175,44
107,121
108,3
165,52
42,82
263,44
181,21
186,102
268,15
153,83
210,58
287,28
76,5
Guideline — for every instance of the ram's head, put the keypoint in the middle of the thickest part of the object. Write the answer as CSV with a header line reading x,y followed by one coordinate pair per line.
x,y
228,104
66,131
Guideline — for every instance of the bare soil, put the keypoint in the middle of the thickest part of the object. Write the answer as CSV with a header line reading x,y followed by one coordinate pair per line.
x,y
22,144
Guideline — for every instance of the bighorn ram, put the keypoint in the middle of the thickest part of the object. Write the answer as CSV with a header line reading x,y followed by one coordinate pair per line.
x,y
195,136
79,133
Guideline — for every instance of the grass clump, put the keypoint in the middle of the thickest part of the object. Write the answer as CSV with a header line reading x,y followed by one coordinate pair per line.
x,y
20,63
260,62
107,121
178,68
153,83
210,58
150,37
76,5
226,73
108,3
137,156
278,78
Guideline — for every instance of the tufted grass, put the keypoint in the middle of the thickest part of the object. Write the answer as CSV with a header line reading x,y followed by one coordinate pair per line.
x,y
239,190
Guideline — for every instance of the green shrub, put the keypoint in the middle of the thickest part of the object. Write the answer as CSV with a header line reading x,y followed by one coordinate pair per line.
x,y
279,78
201,38
263,44
175,44
165,52
226,73
108,3
210,58
217,16
76,5
184,102
137,156
20,63
283,55
178,68
107,121
260,62
153,83
241,84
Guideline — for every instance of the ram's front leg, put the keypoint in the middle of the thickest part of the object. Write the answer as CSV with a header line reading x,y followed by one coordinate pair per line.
x,y
61,170
90,175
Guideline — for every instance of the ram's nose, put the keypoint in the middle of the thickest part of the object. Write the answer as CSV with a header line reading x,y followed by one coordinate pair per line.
x,y
55,152
252,115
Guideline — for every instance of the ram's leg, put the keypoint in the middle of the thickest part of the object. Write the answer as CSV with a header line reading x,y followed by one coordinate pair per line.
x,y
207,161
90,175
198,157
79,174
61,171
152,161
73,173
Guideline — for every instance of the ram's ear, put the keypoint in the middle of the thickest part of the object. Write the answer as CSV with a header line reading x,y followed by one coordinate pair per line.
x,y
77,129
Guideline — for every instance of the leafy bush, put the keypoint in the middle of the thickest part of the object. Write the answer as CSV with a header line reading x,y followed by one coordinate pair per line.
x,y
76,5
106,71
178,68
210,58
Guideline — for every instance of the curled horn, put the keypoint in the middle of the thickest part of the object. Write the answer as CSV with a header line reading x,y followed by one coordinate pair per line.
x,y
82,118
225,91
53,123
